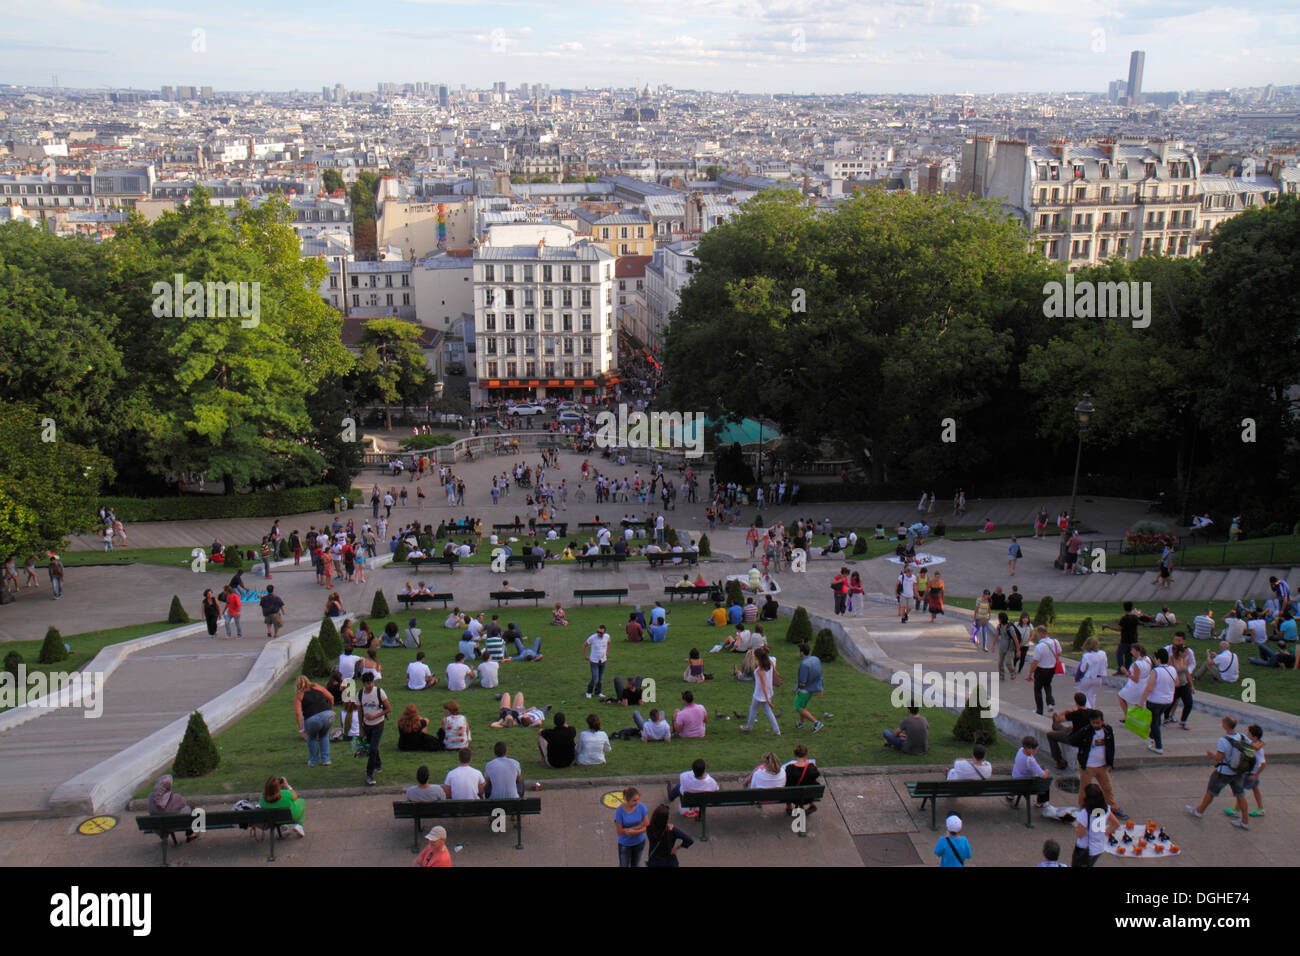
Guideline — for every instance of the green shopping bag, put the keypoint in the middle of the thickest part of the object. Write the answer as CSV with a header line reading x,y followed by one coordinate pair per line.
x,y
1138,721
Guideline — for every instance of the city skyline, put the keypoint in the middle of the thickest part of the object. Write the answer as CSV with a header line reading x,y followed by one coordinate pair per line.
x,y
753,46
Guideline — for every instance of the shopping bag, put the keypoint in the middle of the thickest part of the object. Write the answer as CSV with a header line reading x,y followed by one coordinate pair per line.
x,y
1138,721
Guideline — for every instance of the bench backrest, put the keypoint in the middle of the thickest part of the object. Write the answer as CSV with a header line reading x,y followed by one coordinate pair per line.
x,y
724,798
215,819
596,592
435,809
975,788
507,595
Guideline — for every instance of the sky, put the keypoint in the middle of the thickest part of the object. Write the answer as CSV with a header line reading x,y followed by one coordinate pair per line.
x,y
755,46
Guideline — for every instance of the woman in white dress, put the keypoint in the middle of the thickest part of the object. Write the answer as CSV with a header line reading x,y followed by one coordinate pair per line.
x,y
1093,666
1137,672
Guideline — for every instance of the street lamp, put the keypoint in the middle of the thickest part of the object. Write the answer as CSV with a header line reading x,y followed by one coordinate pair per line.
x,y
1083,413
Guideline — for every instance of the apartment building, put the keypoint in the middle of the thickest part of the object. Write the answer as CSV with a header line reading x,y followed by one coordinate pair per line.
x,y
1085,203
543,315
39,192
667,273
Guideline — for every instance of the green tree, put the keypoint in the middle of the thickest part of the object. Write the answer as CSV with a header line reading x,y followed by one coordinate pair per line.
x,y
47,488
379,606
391,367
824,650
315,664
800,629
197,755
330,641
53,649
176,614
712,172
331,180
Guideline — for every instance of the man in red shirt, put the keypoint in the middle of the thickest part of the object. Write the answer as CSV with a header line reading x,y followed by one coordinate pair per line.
x,y
435,853
233,607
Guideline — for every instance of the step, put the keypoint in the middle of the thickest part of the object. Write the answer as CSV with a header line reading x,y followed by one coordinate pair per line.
x,y
1091,587
1235,585
1204,586
1118,586
1146,588
1258,587
1184,582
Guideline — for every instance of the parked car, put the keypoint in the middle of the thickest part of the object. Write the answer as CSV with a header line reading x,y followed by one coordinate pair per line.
x,y
570,415
527,409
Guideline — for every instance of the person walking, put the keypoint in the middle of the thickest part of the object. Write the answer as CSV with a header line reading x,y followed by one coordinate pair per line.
x,y
935,596
1092,669
1047,658
234,607
1093,827
1234,762
211,611
375,709
1158,697
1180,661
1008,647
764,671
809,682
265,554
55,570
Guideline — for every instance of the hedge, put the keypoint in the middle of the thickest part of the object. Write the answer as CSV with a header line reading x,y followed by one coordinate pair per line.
x,y
290,501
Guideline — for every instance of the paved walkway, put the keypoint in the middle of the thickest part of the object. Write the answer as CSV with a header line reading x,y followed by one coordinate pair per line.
x,y
866,820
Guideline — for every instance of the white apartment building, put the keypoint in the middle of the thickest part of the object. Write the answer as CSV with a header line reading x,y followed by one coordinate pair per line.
x,y
46,191
543,315
1085,203
667,273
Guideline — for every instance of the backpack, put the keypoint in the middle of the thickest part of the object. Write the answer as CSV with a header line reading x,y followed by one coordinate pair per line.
x,y
1241,759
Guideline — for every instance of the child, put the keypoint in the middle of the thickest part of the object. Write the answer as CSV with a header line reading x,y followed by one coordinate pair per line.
x,y
1026,765
953,849
557,616
1052,854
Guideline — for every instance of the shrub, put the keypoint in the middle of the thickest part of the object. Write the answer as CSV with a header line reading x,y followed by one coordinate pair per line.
x,y
400,554
379,607
1149,527
197,754
330,642
314,664
670,536
425,542
973,728
1276,529
1046,612
860,546
758,520
53,650
824,648
442,530
735,594
290,501
234,558
1084,632
421,442
177,615
800,629
706,550
13,660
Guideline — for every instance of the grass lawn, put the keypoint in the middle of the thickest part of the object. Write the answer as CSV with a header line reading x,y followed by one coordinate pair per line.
x,y
1280,551
1274,688
168,557
84,646
266,741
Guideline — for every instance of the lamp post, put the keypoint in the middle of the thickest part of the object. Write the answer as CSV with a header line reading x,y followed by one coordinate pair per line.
x,y
1083,413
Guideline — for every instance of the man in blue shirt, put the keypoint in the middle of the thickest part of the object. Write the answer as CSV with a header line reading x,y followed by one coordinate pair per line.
x,y
953,849
735,614
809,682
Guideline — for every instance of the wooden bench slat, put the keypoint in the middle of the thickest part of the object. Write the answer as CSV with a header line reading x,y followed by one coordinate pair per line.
x,y
1024,787
517,807
749,798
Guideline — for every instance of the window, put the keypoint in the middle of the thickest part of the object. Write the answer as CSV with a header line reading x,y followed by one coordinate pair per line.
x,y
568,370
548,346
354,282
622,285
507,274
1103,246
530,369
490,321
530,346
586,368
510,321
604,232
512,369
547,299
566,298
1042,195
388,299
406,281
356,301
388,282
510,346
640,234
586,273
1105,193
1123,171
546,273
530,322
489,273
1056,173
406,298
1056,195
548,321
492,369
1080,194
586,298
586,321
528,273
566,322
491,346
567,346
587,346
622,233
550,369
489,297
1105,171
1043,221
566,273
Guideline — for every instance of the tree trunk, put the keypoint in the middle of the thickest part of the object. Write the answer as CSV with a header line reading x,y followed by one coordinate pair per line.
x,y
228,481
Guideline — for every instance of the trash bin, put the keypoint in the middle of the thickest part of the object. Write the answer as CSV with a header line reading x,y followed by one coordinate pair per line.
x,y
336,506
344,504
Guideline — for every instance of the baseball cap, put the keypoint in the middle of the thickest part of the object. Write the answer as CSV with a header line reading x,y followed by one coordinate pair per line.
x,y
437,833
953,823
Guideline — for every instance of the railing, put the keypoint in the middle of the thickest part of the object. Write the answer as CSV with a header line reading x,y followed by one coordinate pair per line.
x,y
486,445
1191,554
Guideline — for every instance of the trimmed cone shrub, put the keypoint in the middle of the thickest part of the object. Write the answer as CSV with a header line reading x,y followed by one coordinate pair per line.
x,y
400,554
177,613
330,642
1085,631
735,594
442,530
13,660
379,606
197,754
800,627
1046,613
53,650
758,520
234,559
315,665
860,546
973,728
824,648
706,549
670,536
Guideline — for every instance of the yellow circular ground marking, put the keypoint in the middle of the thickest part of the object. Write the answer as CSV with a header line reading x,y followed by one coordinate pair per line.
x,y
96,825
613,799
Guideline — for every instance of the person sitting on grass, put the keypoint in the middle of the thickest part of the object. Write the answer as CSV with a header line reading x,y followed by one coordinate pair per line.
x,y
558,743
718,616
455,621
419,676
694,673
912,736
391,637
656,729
411,734
593,743
517,714
557,616
334,606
